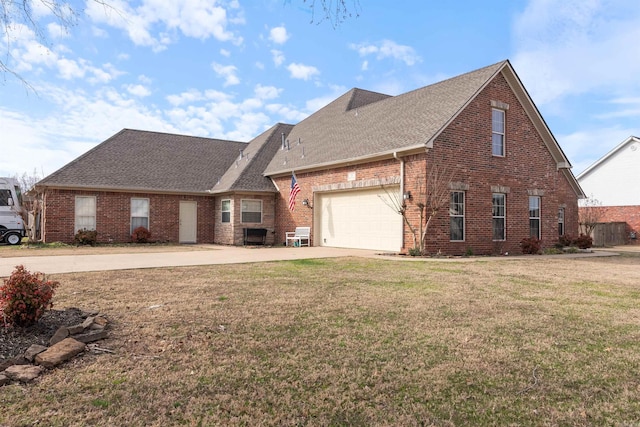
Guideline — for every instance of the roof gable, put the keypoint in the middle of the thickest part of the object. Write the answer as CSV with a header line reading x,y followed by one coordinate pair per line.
x,y
246,172
340,133
607,157
135,160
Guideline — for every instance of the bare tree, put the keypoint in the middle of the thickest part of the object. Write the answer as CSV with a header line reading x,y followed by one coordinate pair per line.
x,y
334,11
432,195
590,213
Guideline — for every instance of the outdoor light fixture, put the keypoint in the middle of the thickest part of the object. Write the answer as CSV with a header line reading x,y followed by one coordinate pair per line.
x,y
305,202
407,195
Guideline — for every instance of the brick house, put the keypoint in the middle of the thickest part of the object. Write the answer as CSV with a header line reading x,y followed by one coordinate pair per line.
x,y
613,181
509,178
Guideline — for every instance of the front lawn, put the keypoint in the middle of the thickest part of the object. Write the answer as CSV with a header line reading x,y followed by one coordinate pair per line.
x,y
351,342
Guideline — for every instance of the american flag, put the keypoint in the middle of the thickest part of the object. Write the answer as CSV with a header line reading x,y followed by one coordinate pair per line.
x,y
293,192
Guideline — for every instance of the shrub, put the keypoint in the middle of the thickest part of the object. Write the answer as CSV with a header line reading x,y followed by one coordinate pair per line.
x,y
86,237
583,241
141,235
530,245
415,252
566,240
25,296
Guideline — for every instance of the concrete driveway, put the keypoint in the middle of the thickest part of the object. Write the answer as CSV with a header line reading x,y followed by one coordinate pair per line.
x,y
211,254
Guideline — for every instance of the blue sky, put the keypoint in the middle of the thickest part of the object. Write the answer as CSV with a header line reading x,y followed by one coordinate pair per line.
x,y
231,69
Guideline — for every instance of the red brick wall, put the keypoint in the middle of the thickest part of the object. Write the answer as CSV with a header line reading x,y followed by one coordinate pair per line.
x,y
465,147
302,216
113,216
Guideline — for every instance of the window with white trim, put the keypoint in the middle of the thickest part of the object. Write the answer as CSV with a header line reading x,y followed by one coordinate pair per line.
x,y
497,132
534,216
456,216
225,208
251,211
560,221
499,216
139,213
85,213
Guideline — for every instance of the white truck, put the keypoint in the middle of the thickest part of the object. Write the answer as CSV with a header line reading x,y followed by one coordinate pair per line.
x,y
12,227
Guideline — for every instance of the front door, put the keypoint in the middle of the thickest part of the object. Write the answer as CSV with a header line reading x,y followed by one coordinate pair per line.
x,y
188,222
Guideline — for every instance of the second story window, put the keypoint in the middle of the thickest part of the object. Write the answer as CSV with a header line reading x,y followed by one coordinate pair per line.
x,y
497,132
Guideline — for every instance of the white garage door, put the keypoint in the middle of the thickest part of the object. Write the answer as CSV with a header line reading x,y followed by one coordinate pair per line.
x,y
359,219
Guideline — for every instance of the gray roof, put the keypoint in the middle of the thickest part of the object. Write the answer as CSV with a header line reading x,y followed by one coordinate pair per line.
x,y
149,161
246,173
361,124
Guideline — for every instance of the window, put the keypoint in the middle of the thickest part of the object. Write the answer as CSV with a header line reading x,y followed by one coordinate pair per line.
x,y
251,210
560,221
499,216
534,216
456,215
497,132
226,210
139,213
5,195
85,213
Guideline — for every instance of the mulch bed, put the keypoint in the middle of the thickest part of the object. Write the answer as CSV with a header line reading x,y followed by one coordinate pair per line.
x,y
15,340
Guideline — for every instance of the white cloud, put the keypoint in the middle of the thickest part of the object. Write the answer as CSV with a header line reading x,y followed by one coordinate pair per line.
x,y
278,35
138,90
365,66
575,47
278,57
185,97
225,53
388,49
301,71
267,92
153,21
228,72
57,31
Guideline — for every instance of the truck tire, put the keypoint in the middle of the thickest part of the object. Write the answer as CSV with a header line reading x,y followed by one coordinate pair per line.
x,y
13,238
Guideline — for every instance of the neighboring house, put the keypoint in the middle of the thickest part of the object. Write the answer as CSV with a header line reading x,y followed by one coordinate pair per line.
x,y
511,179
613,182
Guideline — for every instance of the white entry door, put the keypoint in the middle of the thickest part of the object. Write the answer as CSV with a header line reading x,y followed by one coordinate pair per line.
x,y
358,219
188,222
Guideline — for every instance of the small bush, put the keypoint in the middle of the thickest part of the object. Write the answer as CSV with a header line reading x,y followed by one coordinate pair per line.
x,y
583,241
141,235
25,296
530,245
566,240
415,252
86,237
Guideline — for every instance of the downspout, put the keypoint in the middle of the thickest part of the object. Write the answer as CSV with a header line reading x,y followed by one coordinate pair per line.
x,y
401,160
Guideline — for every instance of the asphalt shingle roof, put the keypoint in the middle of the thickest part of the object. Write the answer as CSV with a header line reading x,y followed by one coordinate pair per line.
x,y
360,124
149,161
247,173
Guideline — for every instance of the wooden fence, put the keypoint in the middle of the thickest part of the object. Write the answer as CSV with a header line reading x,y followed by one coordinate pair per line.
x,y
610,234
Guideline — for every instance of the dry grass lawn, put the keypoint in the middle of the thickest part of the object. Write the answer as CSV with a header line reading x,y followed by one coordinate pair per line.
x,y
362,342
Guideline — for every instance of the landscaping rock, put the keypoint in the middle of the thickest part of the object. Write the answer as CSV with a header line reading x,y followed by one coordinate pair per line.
x,y
60,352
91,336
75,329
33,351
88,322
60,334
23,373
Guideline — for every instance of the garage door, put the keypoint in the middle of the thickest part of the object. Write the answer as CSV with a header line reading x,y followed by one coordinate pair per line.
x,y
359,219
